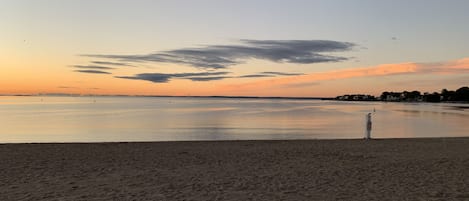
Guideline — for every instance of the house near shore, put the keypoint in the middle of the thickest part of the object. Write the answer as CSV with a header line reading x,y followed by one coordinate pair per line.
x,y
394,97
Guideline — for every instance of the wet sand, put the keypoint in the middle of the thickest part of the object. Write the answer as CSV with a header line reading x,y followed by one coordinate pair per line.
x,y
391,169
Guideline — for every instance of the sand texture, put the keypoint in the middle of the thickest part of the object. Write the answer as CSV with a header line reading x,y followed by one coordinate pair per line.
x,y
394,169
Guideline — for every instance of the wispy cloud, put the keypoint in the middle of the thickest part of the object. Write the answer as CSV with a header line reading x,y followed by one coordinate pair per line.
x,y
282,73
93,67
269,74
203,79
204,76
256,76
166,77
110,63
92,71
450,67
223,56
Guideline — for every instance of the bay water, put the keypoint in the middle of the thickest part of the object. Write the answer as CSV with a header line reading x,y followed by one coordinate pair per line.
x,y
117,119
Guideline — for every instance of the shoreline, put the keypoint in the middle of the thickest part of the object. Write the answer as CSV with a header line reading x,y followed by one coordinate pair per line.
x,y
237,141
332,169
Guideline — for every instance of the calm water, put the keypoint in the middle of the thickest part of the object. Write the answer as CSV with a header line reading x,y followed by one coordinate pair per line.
x,y
97,119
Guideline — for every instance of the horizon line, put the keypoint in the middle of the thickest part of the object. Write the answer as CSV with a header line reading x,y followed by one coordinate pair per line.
x,y
169,96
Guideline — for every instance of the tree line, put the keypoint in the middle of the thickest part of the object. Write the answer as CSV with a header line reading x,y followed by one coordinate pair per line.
x,y
459,95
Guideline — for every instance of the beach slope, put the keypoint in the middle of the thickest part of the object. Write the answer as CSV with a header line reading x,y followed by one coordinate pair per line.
x,y
391,169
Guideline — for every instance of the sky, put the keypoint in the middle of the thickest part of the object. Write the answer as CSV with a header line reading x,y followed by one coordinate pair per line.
x,y
294,48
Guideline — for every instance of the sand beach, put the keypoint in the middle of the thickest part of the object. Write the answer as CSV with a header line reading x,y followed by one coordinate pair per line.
x,y
385,169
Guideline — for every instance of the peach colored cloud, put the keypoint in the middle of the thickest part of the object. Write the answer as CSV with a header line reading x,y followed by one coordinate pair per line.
x,y
450,67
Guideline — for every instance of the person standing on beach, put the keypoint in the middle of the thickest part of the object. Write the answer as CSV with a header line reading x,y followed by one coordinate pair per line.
x,y
368,126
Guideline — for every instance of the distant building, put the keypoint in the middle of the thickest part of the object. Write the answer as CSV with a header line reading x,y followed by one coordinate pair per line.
x,y
394,97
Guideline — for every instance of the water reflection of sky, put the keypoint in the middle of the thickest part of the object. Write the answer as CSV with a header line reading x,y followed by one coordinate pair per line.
x,y
91,119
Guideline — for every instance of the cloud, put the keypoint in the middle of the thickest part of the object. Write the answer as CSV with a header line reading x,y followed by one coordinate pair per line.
x,y
256,76
110,63
93,67
281,73
269,74
223,56
441,68
92,71
152,77
207,78
164,77
204,76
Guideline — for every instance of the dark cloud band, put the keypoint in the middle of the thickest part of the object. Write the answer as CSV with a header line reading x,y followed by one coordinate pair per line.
x,y
110,63
92,71
269,74
281,73
255,76
93,67
223,56
165,77
204,76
